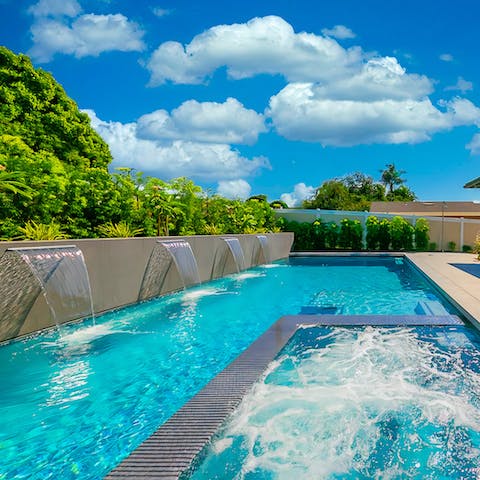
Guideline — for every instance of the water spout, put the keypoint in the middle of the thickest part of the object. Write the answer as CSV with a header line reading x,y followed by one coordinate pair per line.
x,y
59,273
261,251
165,254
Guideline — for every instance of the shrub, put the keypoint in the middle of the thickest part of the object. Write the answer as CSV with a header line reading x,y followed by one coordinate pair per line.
x,y
476,245
302,235
350,235
467,248
422,236
432,247
384,237
118,230
41,231
401,233
452,246
373,233
331,235
318,230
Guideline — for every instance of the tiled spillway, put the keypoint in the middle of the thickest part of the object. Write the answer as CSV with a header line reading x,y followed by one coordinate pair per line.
x,y
172,449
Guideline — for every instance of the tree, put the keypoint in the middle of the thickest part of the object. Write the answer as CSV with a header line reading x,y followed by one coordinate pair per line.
x,y
52,148
331,195
391,177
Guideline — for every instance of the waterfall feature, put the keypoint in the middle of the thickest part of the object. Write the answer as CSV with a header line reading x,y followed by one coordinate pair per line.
x,y
228,258
261,251
59,273
165,254
237,252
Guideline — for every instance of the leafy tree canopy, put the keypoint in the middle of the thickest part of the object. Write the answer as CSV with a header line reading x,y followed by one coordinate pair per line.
x,y
356,191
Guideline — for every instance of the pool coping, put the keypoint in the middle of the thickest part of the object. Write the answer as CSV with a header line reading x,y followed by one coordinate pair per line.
x,y
173,450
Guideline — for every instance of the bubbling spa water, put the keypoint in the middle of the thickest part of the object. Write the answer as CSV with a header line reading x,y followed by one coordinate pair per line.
x,y
359,403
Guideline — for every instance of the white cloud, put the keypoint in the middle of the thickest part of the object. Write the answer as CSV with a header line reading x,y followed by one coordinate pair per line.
x,y
85,35
262,45
446,57
203,161
299,113
161,12
228,122
234,189
462,85
54,8
338,31
300,193
379,78
474,145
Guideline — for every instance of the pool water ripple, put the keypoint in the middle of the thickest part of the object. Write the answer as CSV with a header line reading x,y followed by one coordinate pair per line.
x,y
74,405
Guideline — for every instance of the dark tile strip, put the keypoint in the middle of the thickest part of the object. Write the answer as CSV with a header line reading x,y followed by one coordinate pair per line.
x,y
170,451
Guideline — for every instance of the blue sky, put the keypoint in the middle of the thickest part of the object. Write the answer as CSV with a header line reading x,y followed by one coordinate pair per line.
x,y
269,97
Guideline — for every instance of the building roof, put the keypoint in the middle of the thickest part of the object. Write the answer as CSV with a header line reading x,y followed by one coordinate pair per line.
x,y
475,183
433,209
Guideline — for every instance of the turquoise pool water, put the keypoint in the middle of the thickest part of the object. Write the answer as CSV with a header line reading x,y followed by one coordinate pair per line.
x,y
74,404
359,403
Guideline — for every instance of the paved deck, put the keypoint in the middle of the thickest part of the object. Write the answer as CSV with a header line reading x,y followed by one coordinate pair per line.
x,y
461,288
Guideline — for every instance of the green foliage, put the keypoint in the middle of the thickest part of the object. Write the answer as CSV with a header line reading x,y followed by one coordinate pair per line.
x,y
384,236
356,191
452,246
350,235
331,235
401,234
422,237
278,204
432,247
41,231
476,245
118,230
8,229
319,237
391,177
467,248
373,233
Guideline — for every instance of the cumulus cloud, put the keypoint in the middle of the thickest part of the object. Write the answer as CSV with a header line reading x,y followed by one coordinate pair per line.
x,y
81,36
379,78
300,193
228,122
446,57
54,8
338,31
462,85
300,113
204,161
262,45
234,189
474,145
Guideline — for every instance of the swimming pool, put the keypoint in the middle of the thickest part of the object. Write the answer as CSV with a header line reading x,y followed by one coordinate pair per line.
x,y
359,403
75,403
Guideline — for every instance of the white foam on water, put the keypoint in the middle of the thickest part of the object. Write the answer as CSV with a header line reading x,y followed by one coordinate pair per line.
x,y
245,276
197,294
363,403
88,334
274,265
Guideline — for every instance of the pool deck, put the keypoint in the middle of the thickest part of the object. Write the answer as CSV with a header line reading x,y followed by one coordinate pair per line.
x,y
461,288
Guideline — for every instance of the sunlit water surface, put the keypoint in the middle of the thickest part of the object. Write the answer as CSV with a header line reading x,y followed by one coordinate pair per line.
x,y
74,404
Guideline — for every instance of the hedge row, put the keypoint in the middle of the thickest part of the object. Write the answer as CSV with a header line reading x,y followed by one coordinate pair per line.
x,y
395,234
